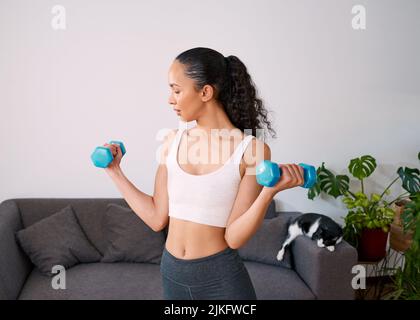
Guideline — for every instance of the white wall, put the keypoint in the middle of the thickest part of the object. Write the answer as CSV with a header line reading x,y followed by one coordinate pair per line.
x,y
335,93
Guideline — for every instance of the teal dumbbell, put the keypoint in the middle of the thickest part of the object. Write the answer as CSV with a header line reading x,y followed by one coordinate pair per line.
x,y
269,173
102,156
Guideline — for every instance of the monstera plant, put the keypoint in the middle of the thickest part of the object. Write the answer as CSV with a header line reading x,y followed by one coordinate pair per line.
x,y
369,215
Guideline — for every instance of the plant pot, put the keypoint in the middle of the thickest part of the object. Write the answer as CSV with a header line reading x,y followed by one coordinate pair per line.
x,y
372,245
398,240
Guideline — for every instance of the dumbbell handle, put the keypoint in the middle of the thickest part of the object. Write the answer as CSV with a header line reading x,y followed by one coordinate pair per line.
x,y
102,156
269,173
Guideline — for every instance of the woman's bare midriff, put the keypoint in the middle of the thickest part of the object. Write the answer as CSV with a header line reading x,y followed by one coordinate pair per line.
x,y
190,240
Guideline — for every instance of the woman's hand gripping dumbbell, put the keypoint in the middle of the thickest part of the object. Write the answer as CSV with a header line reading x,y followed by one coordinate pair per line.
x,y
109,156
278,177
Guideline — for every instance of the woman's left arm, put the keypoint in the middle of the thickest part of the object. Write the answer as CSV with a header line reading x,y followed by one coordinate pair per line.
x,y
252,200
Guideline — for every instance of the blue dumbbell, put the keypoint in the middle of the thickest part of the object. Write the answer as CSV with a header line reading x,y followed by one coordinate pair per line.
x,y
102,156
269,173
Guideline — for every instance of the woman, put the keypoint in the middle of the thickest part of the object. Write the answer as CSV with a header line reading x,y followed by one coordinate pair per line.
x,y
212,208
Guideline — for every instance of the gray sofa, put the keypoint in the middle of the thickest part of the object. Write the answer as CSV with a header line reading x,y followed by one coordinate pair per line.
x,y
315,274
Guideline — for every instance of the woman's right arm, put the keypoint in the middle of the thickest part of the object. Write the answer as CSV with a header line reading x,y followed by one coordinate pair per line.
x,y
153,210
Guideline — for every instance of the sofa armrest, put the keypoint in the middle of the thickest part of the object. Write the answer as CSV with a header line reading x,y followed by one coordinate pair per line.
x,y
14,264
327,274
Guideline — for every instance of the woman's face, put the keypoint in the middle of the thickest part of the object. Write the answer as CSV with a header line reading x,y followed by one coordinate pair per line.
x,y
184,97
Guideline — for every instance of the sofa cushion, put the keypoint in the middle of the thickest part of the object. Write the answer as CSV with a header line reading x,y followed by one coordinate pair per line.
x,y
89,213
57,240
266,242
129,238
276,283
98,281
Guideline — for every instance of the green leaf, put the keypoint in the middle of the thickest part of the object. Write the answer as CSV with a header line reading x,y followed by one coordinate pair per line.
x,y
417,231
360,195
410,179
362,167
411,215
314,191
316,188
375,197
331,184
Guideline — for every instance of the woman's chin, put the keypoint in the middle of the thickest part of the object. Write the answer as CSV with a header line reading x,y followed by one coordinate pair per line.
x,y
181,117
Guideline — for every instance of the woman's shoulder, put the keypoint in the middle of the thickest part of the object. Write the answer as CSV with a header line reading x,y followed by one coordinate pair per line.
x,y
256,151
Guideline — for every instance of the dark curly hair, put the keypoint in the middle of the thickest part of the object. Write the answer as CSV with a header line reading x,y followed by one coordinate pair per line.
x,y
233,85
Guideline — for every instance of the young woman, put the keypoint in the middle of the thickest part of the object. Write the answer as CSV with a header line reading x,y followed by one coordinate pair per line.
x,y
212,208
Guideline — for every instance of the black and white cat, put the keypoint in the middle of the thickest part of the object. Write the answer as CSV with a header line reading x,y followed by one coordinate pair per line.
x,y
321,228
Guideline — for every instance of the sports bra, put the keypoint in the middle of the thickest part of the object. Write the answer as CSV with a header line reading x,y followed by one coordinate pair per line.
x,y
207,198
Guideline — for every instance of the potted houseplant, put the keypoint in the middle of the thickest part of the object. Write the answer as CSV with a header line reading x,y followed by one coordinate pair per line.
x,y
407,277
399,238
368,220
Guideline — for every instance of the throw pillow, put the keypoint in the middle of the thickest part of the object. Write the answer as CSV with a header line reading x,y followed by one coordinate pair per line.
x,y
57,240
129,238
266,243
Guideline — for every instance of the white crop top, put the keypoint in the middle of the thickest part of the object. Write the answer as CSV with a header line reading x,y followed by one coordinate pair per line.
x,y
207,198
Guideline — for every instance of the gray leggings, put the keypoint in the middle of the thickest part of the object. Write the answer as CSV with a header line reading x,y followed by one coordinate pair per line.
x,y
222,276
